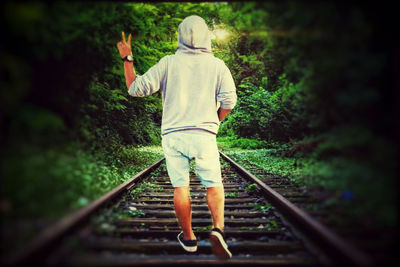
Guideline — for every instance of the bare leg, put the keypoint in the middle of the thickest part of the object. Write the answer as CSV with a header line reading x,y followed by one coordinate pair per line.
x,y
216,202
183,211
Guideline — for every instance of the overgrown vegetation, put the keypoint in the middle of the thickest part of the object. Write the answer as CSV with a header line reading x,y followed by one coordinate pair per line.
x,y
339,174
231,194
251,188
145,187
59,180
299,72
263,208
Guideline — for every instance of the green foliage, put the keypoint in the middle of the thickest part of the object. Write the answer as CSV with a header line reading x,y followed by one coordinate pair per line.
x,y
69,175
244,143
263,208
136,213
272,225
277,115
231,194
302,70
73,69
203,229
252,188
33,123
336,173
145,187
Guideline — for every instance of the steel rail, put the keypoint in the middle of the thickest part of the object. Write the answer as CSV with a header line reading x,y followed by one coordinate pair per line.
x,y
43,243
332,244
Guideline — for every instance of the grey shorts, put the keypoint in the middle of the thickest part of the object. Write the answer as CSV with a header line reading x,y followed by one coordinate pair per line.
x,y
181,146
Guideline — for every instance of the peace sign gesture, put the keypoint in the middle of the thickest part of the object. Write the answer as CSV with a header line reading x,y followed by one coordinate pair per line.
x,y
124,47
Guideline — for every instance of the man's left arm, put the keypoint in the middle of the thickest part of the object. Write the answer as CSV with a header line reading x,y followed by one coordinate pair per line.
x,y
140,85
124,48
130,74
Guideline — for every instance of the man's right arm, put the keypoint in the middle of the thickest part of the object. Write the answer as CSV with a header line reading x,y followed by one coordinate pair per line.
x,y
222,112
226,95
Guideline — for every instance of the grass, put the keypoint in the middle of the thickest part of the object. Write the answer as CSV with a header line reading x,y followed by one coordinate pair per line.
x,y
264,208
233,142
203,228
364,185
252,188
231,194
40,185
70,176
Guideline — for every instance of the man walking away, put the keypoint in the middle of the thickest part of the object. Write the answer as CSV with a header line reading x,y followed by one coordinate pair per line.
x,y
197,91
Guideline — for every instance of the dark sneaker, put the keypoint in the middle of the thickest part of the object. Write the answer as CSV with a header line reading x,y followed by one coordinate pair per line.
x,y
219,246
188,245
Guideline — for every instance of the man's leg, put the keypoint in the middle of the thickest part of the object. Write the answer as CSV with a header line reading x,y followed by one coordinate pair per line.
x,y
176,151
209,171
183,211
216,202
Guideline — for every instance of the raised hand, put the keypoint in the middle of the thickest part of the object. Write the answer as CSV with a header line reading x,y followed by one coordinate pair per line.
x,y
124,47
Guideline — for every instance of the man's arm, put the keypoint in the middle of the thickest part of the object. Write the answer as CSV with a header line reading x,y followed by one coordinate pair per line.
x,y
226,94
124,49
222,112
130,74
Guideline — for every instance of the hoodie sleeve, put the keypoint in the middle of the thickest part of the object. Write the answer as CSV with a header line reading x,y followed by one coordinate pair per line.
x,y
226,94
150,82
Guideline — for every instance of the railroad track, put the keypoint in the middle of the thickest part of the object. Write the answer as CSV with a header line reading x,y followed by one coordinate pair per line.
x,y
135,224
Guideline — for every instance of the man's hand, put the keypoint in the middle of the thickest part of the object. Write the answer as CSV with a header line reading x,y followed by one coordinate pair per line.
x,y
222,112
124,47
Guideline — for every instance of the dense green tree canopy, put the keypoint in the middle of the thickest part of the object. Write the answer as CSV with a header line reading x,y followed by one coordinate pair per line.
x,y
299,68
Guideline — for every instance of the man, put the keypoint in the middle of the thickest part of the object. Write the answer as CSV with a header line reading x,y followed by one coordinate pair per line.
x,y
198,91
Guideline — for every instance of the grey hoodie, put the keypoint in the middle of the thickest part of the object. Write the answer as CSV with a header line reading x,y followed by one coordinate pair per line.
x,y
193,83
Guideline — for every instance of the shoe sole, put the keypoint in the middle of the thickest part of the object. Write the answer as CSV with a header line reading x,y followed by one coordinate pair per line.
x,y
188,249
218,248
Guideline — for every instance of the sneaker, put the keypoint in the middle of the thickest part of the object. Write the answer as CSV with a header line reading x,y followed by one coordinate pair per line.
x,y
219,246
188,245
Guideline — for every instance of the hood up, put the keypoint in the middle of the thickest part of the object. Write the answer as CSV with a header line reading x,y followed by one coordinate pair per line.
x,y
194,36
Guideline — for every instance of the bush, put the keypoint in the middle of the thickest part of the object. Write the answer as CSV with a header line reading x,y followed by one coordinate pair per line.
x,y
246,143
242,143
